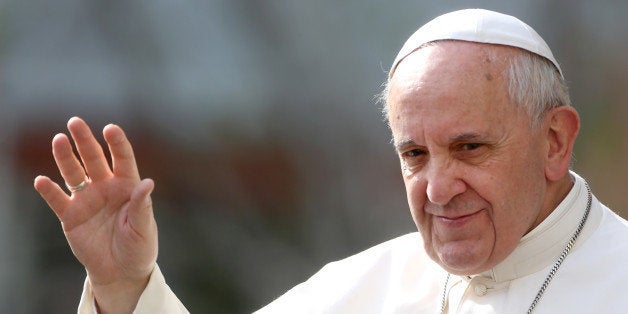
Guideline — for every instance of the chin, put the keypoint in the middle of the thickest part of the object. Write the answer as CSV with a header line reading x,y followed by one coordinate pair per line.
x,y
463,271
463,263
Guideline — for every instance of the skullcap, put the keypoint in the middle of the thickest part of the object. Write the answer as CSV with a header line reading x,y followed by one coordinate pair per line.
x,y
477,25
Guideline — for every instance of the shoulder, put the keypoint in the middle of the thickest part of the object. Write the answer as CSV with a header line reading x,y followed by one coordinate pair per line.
x,y
408,246
607,247
593,276
612,228
364,280
377,263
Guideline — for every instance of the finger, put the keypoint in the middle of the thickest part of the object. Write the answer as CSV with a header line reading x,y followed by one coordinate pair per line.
x,y
140,210
69,166
89,149
52,194
124,164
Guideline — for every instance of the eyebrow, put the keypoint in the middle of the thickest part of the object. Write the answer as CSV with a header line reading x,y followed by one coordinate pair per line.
x,y
465,137
399,146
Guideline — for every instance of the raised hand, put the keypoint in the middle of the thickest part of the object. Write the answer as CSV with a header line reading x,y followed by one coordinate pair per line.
x,y
108,217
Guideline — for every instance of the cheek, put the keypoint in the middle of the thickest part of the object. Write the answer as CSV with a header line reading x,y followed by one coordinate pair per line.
x,y
517,215
415,193
517,196
514,215
508,234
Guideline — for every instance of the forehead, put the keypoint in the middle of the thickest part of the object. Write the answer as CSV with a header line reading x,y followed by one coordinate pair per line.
x,y
450,87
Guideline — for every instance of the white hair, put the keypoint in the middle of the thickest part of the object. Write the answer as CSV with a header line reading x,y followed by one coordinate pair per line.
x,y
534,83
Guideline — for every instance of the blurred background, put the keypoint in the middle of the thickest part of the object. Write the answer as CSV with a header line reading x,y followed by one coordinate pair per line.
x,y
258,123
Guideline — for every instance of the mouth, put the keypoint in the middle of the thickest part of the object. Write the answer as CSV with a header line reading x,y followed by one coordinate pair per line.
x,y
457,221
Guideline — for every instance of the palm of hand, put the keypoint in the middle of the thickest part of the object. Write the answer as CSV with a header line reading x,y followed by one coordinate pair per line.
x,y
101,236
109,223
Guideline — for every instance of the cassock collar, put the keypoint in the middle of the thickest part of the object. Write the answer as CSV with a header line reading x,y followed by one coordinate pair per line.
x,y
541,247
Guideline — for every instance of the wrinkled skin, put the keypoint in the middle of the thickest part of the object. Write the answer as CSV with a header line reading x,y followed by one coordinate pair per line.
x,y
109,224
477,176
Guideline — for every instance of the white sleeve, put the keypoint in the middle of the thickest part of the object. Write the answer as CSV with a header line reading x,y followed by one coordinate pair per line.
x,y
156,298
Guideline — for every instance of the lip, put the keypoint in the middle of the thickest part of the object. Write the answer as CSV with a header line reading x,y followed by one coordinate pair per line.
x,y
457,221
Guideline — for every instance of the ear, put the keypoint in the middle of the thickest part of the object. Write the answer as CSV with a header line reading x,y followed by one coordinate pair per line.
x,y
562,125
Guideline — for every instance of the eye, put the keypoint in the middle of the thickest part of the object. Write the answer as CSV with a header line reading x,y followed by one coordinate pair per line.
x,y
472,152
413,153
413,159
470,146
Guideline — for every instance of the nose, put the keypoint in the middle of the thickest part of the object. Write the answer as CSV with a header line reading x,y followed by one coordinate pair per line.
x,y
443,182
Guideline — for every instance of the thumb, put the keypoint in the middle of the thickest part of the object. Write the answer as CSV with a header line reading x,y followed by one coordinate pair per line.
x,y
140,207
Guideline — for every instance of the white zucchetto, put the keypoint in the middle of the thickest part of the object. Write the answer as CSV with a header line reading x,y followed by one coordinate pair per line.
x,y
477,25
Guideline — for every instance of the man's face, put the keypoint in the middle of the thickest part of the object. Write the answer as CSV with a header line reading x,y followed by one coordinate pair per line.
x,y
472,166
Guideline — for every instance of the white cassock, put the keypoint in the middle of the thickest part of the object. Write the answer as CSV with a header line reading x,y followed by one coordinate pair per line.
x,y
398,277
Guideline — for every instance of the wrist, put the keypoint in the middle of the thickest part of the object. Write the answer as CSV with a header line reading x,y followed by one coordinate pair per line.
x,y
120,296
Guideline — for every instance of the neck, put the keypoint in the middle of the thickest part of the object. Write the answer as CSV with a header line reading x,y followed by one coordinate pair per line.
x,y
556,193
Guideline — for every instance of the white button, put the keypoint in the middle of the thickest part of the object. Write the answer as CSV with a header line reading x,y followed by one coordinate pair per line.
x,y
480,289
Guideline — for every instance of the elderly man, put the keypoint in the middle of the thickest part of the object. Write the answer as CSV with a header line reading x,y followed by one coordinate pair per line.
x,y
483,127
